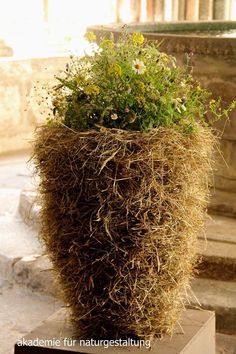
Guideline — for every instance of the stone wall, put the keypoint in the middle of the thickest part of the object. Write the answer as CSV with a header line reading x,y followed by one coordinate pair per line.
x,y
19,110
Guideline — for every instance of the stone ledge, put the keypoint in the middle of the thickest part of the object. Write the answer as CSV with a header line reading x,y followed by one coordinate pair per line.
x,y
197,336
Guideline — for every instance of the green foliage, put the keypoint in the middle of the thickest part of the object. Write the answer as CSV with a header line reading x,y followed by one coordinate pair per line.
x,y
130,84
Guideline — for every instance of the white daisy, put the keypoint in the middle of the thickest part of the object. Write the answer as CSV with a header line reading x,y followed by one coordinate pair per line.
x,y
138,66
114,116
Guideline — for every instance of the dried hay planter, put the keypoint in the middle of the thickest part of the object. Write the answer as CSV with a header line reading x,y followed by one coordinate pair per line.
x,y
121,213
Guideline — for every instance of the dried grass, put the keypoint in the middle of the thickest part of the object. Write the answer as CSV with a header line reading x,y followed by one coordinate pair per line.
x,y
120,218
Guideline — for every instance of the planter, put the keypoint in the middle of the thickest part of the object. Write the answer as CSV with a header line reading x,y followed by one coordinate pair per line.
x,y
120,218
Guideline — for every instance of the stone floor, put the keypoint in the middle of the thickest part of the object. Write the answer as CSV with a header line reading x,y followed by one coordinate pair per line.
x,y
20,312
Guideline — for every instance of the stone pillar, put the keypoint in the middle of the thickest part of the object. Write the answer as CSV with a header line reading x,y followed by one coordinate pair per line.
x,y
150,10
168,10
175,10
206,10
192,10
135,7
45,11
119,4
158,10
181,10
222,9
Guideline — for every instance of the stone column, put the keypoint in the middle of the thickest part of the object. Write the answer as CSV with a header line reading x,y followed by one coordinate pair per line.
x,y
158,10
45,11
181,10
135,7
192,10
175,10
168,10
206,10
222,9
150,10
119,4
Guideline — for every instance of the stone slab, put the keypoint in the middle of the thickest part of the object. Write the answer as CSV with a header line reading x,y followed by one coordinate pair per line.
x,y
219,296
197,336
218,259
220,229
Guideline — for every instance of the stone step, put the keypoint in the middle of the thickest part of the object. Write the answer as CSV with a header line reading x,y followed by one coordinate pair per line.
x,y
219,251
223,203
225,344
218,296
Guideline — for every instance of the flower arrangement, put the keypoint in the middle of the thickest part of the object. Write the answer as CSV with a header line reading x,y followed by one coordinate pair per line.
x,y
131,85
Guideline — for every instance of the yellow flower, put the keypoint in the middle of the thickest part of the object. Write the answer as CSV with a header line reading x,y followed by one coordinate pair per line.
x,y
140,85
140,99
92,90
137,38
115,69
79,79
198,88
106,43
90,36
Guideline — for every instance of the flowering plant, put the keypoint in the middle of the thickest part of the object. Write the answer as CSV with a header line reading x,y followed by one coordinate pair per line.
x,y
130,84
